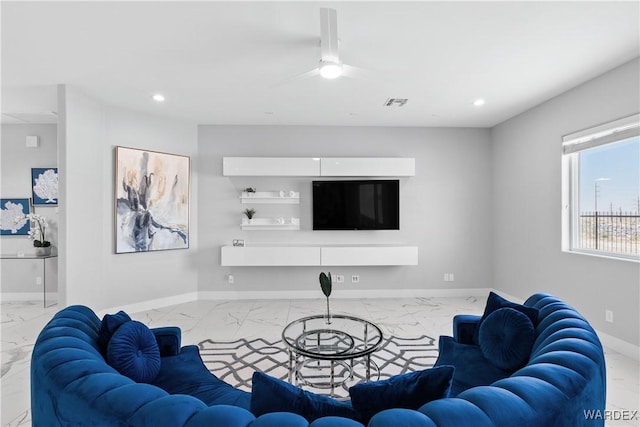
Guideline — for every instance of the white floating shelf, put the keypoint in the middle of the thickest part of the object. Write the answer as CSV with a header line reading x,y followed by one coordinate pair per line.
x,y
271,197
283,224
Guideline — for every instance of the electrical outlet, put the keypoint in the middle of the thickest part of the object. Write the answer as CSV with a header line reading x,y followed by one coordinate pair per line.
x,y
230,279
608,316
38,280
451,277
339,278
355,278
446,277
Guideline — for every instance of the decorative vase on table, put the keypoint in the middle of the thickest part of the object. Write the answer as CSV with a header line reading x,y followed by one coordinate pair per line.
x,y
43,251
325,285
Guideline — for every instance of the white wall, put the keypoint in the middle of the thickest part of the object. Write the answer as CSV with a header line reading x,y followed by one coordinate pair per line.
x,y
527,206
19,276
445,208
90,270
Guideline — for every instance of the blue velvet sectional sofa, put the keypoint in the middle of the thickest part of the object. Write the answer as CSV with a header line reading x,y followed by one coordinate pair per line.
x,y
73,385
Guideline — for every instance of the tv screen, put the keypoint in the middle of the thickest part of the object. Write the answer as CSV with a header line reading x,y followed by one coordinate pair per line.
x,y
356,205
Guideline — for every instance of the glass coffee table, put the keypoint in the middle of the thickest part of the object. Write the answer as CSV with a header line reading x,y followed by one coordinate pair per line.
x,y
322,354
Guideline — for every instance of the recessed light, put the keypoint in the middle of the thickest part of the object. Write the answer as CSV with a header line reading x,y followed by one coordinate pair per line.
x,y
479,102
158,97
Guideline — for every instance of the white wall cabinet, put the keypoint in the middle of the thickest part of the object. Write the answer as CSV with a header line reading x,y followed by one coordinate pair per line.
x,y
261,256
369,255
270,166
319,255
314,166
367,166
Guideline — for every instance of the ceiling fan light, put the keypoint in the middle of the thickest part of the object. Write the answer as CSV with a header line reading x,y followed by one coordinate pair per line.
x,y
330,70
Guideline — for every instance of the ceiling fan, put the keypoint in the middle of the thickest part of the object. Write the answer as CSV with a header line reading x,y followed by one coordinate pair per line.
x,y
330,66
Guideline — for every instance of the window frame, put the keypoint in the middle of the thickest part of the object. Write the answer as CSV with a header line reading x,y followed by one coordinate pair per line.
x,y
572,144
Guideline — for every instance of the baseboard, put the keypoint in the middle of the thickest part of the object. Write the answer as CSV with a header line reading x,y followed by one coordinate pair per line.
x,y
342,293
151,304
620,346
26,296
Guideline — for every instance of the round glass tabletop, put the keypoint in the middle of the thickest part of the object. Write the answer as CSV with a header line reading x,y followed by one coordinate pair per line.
x,y
345,337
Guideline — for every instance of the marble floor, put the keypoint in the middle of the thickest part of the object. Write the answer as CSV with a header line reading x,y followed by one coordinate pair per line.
x,y
226,320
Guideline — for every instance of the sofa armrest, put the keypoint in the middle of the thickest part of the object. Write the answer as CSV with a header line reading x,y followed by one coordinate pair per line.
x,y
168,339
464,327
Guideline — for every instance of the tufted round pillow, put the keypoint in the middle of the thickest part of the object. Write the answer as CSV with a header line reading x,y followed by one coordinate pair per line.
x,y
133,351
506,337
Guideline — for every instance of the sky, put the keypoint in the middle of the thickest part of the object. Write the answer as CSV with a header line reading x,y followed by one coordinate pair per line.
x,y
615,169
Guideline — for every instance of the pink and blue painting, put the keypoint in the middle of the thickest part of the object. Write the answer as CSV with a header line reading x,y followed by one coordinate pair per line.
x,y
152,201
44,186
12,217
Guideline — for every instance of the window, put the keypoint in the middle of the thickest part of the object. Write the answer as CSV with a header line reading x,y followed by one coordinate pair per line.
x,y
601,191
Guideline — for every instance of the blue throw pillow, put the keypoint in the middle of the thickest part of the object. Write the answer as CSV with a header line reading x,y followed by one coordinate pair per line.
x,y
269,394
408,391
506,337
472,368
110,323
496,302
133,352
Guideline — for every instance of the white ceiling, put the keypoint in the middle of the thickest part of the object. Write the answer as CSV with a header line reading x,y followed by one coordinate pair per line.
x,y
235,62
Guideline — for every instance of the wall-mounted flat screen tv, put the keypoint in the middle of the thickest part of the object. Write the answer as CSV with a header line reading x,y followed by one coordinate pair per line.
x,y
356,205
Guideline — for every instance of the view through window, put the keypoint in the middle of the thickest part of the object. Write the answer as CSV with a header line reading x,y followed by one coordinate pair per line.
x,y
609,198
602,169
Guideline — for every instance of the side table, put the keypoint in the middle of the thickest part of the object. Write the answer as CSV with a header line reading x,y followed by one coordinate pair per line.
x,y
44,259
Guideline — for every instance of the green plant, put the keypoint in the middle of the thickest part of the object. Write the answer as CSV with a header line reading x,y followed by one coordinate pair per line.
x,y
325,285
249,190
249,213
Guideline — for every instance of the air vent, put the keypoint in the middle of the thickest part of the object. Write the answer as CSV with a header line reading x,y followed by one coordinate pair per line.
x,y
395,102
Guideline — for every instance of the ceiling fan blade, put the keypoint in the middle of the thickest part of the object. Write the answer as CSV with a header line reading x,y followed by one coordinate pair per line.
x,y
329,35
307,75
351,71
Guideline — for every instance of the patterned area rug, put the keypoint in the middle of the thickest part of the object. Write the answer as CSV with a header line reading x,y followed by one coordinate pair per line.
x,y
235,361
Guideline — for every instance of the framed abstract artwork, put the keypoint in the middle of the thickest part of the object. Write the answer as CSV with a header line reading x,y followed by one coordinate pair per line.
x,y
12,220
151,201
44,186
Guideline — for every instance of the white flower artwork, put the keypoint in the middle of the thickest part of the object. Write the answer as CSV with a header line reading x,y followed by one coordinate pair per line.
x,y
12,217
45,186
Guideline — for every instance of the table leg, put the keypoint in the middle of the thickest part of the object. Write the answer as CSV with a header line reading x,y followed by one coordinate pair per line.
x,y
318,349
331,378
291,366
351,373
368,367
44,282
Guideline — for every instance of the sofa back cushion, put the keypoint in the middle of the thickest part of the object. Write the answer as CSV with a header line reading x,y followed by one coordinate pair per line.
x,y
110,324
133,352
